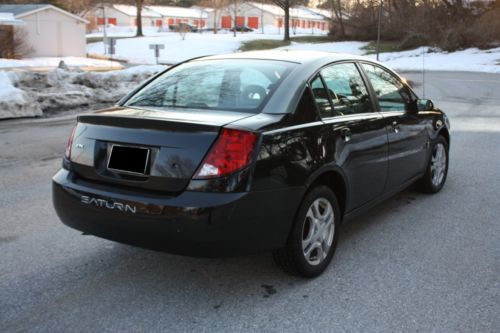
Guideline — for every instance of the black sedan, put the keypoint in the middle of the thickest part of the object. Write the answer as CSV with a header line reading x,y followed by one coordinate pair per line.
x,y
258,151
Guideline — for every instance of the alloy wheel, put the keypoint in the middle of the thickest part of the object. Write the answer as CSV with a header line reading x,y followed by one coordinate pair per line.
x,y
318,231
438,164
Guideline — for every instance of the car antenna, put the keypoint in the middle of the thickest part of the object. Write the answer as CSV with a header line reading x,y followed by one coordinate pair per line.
x,y
423,59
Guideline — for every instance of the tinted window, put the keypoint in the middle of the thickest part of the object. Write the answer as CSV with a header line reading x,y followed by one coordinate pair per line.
x,y
321,97
347,89
391,92
236,85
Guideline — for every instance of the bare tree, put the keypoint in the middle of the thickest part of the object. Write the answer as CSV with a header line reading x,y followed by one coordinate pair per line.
x,y
13,43
233,9
217,6
139,4
338,14
286,5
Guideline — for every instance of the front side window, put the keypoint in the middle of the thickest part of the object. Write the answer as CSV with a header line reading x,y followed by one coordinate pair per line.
x,y
392,94
347,89
233,85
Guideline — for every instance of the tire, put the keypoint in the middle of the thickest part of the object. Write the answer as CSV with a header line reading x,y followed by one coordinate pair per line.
x,y
437,168
309,250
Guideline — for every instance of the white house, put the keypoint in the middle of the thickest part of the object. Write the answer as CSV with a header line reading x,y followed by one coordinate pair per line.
x,y
174,15
152,16
122,16
50,31
254,15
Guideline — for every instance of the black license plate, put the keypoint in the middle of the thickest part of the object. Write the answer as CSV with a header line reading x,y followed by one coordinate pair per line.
x,y
128,159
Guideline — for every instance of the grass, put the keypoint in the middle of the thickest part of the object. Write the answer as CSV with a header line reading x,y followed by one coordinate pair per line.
x,y
262,44
266,44
371,47
100,39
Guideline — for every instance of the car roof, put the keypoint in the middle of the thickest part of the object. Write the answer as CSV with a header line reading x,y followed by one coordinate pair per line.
x,y
296,56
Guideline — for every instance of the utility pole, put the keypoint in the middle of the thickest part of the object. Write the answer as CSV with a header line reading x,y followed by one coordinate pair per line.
x,y
378,27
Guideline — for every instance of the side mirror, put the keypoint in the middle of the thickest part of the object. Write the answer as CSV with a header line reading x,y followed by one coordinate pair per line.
x,y
425,105
419,105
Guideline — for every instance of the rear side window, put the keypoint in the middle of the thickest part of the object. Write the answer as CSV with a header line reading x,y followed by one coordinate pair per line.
x,y
392,94
234,85
347,89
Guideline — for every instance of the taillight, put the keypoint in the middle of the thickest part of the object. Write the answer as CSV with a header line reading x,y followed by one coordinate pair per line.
x,y
67,153
231,152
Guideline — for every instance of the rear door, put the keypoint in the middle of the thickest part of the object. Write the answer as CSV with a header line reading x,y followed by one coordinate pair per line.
x,y
356,132
407,133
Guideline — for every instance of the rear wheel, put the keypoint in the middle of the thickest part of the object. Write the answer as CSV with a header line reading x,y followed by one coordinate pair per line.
x,y
437,169
314,235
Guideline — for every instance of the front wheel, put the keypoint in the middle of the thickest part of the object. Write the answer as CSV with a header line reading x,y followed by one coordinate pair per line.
x,y
437,169
314,235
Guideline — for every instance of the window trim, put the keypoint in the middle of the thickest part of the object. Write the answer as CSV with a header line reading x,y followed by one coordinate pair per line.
x,y
372,90
367,84
309,84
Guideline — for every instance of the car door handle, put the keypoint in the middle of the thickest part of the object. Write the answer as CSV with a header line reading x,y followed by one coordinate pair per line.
x,y
346,134
395,127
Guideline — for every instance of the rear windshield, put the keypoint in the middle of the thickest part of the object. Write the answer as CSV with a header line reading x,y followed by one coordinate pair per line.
x,y
229,84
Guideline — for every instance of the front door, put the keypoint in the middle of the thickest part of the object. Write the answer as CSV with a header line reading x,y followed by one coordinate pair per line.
x,y
357,133
408,139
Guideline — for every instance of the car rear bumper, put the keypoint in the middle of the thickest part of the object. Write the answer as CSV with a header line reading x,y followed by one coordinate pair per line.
x,y
192,223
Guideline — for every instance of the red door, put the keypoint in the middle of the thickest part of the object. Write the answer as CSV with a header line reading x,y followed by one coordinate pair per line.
x,y
196,23
170,21
253,22
112,20
226,22
159,23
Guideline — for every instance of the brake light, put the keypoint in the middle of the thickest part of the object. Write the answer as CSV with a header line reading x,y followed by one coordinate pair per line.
x,y
231,152
67,153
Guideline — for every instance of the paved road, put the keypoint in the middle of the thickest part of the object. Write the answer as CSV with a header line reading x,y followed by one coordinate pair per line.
x,y
416,263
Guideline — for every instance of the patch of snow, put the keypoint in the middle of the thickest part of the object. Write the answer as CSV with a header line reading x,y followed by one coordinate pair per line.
x,y
14,102
75,62
469,60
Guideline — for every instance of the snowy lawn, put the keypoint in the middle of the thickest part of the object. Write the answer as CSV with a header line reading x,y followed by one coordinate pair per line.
x,y
53,62
136,50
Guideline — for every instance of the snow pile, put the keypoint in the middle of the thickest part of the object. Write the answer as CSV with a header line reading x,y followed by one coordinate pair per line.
x,y
13,101
67,91
72,62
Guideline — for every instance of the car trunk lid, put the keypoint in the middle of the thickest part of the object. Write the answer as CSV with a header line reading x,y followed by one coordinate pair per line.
x,y
147,149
